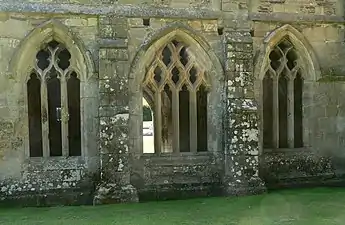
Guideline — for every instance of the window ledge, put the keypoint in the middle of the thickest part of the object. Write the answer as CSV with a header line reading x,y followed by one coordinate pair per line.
x,y
286,150
177,154
58,162
52,158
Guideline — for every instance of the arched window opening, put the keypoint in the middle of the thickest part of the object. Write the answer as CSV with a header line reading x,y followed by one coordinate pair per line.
x,y
202,118
298,111
282,99
282,110
54,104
267,111
74,134
54,113
177,86
148,131
184,119
34,113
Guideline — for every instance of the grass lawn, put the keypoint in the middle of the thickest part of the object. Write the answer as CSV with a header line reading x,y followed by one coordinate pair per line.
x,y
303,207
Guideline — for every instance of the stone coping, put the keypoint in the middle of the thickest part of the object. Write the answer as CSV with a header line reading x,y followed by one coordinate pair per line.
x,y
117,10
145,11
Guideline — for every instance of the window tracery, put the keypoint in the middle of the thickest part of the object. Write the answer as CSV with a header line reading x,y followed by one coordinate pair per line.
x,y
53,92
177,84
282,99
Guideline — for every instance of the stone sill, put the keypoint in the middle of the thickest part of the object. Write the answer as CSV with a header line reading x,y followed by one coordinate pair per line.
x,y
110,43
286,151
59,162
302,177
187,158
275,1
330,78
180,154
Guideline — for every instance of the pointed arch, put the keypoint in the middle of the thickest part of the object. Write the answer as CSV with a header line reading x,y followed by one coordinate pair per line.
x,y
77,89
207,59
311,68
309,72
25,56
156,40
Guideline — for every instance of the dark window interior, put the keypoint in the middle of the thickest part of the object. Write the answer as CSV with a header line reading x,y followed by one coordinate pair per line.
x,y
298,120
283,60
283,112
202,118
54,108
268,112
34,111
74,134
184,119
54,114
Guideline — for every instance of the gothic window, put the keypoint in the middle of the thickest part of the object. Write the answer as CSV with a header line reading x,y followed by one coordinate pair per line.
x,y
53,92
176,85
282,99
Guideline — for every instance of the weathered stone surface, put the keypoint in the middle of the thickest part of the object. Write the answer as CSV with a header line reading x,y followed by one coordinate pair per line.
x,y
295,169
111,193
112,44
241,122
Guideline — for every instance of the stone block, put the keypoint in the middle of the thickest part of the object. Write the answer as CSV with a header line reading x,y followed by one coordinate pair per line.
x,y
22,27
113,193
230,6
107,70
210,26
196,25
76,22
107,31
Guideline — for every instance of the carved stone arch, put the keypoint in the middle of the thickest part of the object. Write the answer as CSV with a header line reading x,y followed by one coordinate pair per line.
x,y
310,67
206,57
22,65
25,56
187,35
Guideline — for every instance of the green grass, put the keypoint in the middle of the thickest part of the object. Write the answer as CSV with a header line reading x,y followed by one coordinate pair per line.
x,y
302,207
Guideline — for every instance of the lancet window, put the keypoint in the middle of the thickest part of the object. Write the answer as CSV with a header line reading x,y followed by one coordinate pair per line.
x,y
177,88
53,97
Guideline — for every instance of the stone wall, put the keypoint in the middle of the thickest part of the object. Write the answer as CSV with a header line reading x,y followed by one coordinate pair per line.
x,y
328,8
129,167
116,40
21,176
320,161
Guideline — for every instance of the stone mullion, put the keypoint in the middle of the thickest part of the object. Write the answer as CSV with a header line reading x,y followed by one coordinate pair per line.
x,y
193,120
275,113
290,114
158,122
64,116
175,91
45,118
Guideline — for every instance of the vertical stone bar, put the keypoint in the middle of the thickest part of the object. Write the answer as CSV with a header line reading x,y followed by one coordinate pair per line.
x,y
290,114
176,120
193,121
275,112
158,122
64,116
45,119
